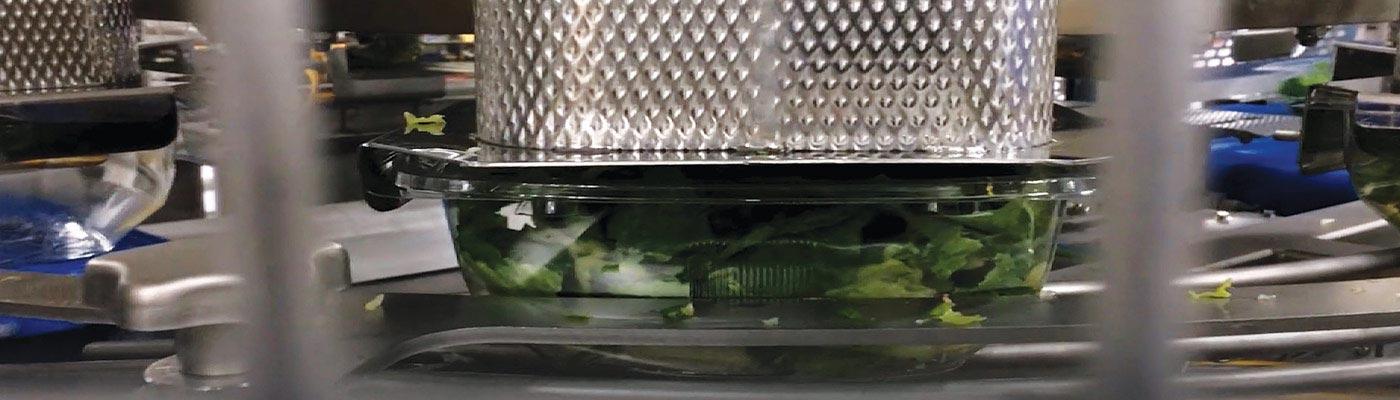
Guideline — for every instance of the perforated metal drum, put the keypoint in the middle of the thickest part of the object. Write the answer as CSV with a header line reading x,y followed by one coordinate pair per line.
x,y
52,45
964,79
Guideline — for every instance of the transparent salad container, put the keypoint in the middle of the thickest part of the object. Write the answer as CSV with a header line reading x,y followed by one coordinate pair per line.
x,y
1361,132
976,236
880,259
76,207
780,245
80,169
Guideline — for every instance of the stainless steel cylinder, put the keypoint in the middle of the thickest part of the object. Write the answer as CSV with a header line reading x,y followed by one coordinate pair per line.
x,y
52,45
957,78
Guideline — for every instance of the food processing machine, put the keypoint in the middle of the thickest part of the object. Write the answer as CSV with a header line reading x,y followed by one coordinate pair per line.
x,y
353,323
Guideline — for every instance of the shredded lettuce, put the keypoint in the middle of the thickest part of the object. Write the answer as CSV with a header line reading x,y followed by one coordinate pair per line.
x,y
520,280
663,228
852,314
1298,86
679,313
678,250
432,125
887,280
1221,291
945,315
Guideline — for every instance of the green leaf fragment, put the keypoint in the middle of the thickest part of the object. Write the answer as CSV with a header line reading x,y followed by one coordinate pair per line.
x,y
959,319
952,256
1221,291
851,314
770,323
657,229
679,313
513,278
432,125
577,319
1298,86
945,315
611,268
1016,219
1008,271
942,308
886,280
374,303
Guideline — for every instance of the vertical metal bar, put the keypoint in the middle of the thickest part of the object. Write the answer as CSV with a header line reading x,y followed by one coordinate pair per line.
x,y
1395,42
1152,180
270,181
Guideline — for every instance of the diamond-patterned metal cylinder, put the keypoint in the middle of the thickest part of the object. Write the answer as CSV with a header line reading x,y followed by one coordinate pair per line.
x,y
958,78
57,45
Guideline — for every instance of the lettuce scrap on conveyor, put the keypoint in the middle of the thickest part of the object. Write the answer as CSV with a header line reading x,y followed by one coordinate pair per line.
x,y
1221,291
753,251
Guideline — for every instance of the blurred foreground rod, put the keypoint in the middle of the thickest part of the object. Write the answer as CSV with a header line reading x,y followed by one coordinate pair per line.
x,y
1148,187
270,181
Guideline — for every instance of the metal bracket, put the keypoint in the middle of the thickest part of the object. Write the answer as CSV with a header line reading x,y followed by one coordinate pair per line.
x,y
169,286
163,287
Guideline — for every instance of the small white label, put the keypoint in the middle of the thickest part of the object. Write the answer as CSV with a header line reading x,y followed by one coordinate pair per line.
x,y
518,215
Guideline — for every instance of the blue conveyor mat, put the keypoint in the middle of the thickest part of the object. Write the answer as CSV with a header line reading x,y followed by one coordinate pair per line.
x,y
26,327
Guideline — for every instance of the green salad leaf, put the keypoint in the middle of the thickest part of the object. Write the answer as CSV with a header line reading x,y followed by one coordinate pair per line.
x,y
891,279
1221,291
944,314
1298,86
1008,271
432,125
516,279
660,228
851,313
679,313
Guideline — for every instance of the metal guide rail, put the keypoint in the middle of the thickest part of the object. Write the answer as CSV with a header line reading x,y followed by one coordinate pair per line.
x,y
423,313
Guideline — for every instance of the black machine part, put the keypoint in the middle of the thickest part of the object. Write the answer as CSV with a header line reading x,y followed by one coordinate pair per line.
x,y
1328,118
1340,123
78,124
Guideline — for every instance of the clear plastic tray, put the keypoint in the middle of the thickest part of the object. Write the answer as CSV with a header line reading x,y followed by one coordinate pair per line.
x,y
852,234
898,248
939,352
64,209
758,243
1344,127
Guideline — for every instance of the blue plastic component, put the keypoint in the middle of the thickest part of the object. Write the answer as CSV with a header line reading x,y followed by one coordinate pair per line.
x,y
1264,109
1264,173
25,327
